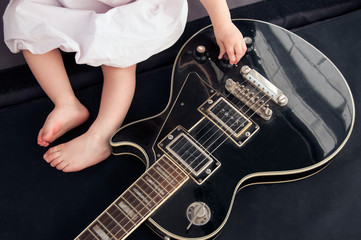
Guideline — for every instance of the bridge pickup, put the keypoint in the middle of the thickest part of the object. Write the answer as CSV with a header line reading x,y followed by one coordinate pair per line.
x,y
189,154
228,118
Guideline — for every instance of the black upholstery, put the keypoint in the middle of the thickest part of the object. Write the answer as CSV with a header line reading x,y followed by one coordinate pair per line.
x,y
38,202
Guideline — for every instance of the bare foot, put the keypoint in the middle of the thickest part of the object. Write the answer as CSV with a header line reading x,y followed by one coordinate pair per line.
x,y
62,119
81,152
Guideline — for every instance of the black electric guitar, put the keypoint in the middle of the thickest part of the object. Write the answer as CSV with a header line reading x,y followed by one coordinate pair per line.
x,y
280,115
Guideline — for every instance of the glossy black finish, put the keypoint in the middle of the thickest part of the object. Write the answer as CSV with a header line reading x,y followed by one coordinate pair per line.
x,y
297,141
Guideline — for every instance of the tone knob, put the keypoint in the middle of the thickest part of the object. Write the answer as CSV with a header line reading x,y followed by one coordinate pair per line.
x,y
201,54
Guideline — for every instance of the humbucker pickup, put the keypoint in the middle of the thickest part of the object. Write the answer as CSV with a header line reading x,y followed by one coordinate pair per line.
x,y
189,154
228,118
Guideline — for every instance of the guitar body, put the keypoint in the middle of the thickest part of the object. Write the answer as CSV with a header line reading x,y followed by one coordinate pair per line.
x,y
298,138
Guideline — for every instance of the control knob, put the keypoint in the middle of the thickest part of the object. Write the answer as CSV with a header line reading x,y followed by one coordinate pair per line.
x,y
224,61
249,43
201,54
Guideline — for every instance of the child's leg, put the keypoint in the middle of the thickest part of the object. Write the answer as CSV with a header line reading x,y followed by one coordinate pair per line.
x,y
68,112
93,146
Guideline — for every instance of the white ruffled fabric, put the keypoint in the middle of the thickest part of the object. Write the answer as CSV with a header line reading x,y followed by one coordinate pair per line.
x,y
116,33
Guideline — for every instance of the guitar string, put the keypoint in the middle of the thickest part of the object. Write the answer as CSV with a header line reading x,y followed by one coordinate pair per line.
x,y
226,138
160,176
223,133
161,183
140,203
212,126
217,140
245,113
107,218
227,98
175,171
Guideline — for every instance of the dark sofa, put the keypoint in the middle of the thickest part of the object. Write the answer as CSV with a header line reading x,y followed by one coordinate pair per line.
x,y
38,202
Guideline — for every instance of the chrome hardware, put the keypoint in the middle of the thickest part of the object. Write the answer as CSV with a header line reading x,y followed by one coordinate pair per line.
x,y
229,118
249,98
194,159
201,54
198,213
201,49
282,99
248,41
262,84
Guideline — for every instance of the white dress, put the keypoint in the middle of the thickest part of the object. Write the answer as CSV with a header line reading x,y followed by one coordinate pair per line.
x,y
116,33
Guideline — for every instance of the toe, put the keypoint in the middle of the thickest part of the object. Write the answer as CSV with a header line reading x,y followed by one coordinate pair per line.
x,y
52,153
72,168
62,165
56,161
47,135
41,141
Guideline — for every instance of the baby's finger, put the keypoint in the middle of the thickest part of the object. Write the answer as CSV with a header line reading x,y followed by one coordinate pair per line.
x,y
239,52
244,47
241,49
222,50
231,55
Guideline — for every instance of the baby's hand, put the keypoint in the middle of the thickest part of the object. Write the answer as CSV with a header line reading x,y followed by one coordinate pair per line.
x,y
230,41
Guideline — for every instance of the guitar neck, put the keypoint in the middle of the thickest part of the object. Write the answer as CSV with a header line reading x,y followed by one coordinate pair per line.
x,y
137,203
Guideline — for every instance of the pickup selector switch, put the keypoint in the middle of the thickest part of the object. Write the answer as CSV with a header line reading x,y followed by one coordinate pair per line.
x,y
198,213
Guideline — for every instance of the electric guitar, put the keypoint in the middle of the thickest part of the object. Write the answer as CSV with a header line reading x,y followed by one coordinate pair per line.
x,y
281,114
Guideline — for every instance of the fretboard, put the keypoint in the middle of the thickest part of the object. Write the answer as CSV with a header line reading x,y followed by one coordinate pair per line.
x,y
137,203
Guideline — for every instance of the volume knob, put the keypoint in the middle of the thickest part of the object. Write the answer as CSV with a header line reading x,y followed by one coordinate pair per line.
x,y
225,62
249,43
201,53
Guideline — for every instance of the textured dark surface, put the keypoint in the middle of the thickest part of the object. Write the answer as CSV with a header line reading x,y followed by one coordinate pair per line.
x,y
39,202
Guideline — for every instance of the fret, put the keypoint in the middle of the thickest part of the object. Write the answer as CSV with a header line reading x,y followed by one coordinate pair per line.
x,y
175,172
153,182
141,191
154,195
134,205
164,172
137,203
104,228
121,218
127,212
88,235
180,174
112,225
161,182
165,176
134,192
99,231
